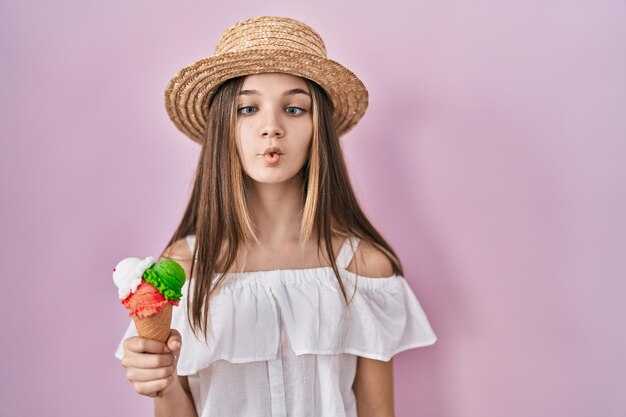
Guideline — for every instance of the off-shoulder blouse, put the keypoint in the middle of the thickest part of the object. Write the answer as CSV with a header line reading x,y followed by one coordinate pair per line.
x,y
284,344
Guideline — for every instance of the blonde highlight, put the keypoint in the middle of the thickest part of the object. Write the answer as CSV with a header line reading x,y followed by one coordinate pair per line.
x,y
312,173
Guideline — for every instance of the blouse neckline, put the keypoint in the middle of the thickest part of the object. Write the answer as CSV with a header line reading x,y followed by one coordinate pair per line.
x,y
317,274
311,270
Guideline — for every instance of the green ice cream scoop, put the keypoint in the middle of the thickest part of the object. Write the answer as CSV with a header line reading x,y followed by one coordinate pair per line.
x,y
168,277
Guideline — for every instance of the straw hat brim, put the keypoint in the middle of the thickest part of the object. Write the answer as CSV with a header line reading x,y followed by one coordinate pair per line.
x,y
188,92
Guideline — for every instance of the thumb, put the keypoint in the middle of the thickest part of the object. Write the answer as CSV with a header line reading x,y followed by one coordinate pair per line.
x,y
174,341
173,344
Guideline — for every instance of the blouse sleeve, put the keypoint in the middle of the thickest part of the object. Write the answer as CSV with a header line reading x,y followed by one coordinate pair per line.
x,y
383,319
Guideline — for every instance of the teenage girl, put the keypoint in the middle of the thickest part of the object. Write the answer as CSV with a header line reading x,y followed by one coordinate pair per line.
x,y
295,304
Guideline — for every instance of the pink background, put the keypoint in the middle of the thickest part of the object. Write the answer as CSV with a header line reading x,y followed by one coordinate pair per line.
x,y
492,157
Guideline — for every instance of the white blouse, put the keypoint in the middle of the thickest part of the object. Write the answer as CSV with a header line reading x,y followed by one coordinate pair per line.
x,y
283,344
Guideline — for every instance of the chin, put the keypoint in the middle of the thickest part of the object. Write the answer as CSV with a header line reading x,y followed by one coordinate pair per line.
x,y
275,178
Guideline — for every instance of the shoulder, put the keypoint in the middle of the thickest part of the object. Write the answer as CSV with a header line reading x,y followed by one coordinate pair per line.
x,y
180,252
371,262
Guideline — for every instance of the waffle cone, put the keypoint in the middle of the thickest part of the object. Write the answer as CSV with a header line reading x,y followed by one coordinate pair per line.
x,y
156,326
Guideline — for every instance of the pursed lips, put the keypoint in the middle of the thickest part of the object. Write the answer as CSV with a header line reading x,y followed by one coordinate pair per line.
x,y
271,151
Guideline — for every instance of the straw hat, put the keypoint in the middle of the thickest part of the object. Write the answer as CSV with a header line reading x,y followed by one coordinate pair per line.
x,y
259,45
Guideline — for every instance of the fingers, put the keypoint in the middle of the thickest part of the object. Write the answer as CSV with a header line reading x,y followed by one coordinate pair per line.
x,y
141,345
151,365
151,388
147,361
145,375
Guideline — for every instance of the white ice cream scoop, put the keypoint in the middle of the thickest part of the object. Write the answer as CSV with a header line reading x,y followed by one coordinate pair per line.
x,y
127,274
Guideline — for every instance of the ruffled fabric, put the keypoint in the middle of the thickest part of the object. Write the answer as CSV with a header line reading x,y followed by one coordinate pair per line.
x,y
247,315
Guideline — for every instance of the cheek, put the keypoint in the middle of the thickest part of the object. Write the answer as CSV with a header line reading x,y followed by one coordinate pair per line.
x,y
245,137
304,150
242,149
308,139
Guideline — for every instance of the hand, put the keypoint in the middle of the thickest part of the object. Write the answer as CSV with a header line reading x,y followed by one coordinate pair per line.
x,y
151,365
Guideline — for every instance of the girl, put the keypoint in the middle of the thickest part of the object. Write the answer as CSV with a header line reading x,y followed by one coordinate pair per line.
x,y
295,304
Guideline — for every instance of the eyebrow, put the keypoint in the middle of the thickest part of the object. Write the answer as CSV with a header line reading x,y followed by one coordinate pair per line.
x,y
291,92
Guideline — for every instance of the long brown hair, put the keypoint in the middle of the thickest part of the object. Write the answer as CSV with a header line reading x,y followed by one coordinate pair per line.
x,y
217,212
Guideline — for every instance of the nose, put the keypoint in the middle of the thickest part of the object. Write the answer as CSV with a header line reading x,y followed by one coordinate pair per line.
x,y
271,126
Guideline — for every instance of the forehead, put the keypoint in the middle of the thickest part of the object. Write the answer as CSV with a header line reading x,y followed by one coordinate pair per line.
x,y
273,81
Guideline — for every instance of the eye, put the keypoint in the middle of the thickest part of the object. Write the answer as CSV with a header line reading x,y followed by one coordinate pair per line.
x,y
246,110
294,110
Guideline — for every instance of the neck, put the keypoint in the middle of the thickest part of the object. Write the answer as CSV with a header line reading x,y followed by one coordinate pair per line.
x,y
276,211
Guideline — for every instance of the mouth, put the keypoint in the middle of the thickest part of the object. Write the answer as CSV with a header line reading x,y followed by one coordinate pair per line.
x,y
272,155
271,151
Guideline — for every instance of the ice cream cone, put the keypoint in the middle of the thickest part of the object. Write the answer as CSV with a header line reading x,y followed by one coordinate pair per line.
x,y
148,290
156,326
